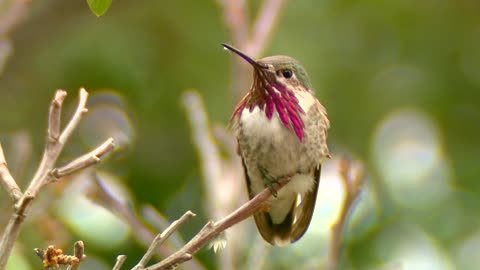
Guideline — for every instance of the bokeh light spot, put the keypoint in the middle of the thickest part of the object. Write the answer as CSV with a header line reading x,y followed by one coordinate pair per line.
x,y
408,152
90,221
467,252
107,117
412,249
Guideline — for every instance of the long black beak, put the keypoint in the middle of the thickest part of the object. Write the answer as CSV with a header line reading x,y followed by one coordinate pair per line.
x,y
244,56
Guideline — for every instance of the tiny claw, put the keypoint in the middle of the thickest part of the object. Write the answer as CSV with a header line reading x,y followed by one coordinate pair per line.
x,y
272,190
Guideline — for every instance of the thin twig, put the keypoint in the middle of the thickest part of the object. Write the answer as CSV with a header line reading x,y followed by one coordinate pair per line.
x,y
264,25
83,161
120,260
207,149
352,183
55,116
160,223
160,238
236,19
79,253
212,229
53,148
67,132
7,179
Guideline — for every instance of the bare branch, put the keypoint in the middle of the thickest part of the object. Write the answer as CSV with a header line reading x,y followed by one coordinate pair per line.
x,y
264,25
7,179
120,260
160,238
173,227
235,15
22,205
53,148
84,161
160,223
67,132
79,253
206,148
212,229
352,183
236,20
54,121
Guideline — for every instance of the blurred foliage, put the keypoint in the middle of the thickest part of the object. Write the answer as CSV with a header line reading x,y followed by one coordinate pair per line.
x,y
366,59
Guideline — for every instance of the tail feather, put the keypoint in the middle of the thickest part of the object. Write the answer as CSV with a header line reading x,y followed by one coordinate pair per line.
x,y
275,234
304,212
296,222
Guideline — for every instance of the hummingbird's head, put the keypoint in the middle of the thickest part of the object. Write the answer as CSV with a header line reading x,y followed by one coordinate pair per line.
x,y
274,70
285,70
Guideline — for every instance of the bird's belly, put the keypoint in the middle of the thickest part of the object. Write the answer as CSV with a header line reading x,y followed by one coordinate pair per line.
x,y
268,144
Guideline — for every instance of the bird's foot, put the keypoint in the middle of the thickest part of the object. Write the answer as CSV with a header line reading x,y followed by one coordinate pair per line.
x,y
269,180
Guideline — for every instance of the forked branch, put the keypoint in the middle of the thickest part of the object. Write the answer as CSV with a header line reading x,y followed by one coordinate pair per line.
x,y
46,171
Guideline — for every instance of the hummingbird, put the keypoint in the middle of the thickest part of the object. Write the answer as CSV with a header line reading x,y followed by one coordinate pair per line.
x,y
281,130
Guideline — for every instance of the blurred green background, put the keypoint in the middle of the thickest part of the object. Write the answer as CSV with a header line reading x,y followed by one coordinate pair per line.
x,y
400,80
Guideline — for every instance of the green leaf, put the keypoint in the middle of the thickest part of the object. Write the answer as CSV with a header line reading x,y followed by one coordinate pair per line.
x,y
99,7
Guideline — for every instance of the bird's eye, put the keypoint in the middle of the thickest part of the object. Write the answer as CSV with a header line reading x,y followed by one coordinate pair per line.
x,y
287,73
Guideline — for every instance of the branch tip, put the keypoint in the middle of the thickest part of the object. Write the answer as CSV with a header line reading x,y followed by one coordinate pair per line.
x,y
67,132
60,96
120,260
160,238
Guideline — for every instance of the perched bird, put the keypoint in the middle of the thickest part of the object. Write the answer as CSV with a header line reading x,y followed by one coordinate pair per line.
x,y
281,129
